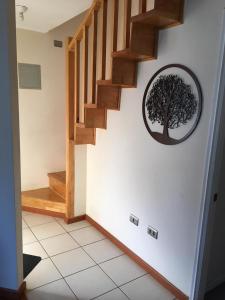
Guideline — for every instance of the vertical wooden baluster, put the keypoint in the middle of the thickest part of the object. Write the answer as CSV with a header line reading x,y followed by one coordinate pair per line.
x,y
85,63
94,58
70,91
142,6
77,80
127,26
70,132
115,24
104,33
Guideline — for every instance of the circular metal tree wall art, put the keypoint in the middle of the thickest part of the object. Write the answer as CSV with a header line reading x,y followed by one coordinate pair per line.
x,y
172,104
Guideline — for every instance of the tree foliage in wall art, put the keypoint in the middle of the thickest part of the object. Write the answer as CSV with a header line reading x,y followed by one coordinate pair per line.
x,y
171,103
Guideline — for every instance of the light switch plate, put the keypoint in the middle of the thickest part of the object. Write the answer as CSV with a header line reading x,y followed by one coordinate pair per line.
x,y
153,232
134,219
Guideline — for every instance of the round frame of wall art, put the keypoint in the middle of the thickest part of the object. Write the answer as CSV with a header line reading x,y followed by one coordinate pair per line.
x,y
172,104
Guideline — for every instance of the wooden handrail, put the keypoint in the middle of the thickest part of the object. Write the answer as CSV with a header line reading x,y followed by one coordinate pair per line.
x,y
86,22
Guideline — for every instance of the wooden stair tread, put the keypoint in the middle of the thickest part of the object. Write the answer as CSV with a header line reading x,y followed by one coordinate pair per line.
x,y
131,55
109,83
43,194
43,199
158,18
60,176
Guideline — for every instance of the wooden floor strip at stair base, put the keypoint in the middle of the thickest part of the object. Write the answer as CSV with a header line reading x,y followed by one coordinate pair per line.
x,y
44,199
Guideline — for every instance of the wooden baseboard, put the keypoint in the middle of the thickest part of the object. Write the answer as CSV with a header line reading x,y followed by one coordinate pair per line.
x,y
156,275
20,294
43,212
75,219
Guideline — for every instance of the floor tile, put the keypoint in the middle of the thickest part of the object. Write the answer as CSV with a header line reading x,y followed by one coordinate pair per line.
x,y
102,251
28,237
59,244
35,219
44,273
73,261
35,249
26,213
74,226
24,225
90,283
57,290
47,230
113,295
87,236
146,288
122,269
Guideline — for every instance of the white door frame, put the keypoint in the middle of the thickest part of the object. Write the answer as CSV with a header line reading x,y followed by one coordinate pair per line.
x,y
211,180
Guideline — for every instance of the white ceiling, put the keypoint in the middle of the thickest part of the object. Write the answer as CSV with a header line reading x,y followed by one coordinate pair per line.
x,y
44,15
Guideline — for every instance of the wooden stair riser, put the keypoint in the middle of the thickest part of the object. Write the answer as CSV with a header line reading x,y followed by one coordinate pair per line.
x,y
85,136
124,71
57,186
144,41
165,14
95,118
108,97
174,7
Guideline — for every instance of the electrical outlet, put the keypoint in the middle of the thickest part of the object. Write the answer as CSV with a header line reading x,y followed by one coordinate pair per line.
x,y
134,220
153,232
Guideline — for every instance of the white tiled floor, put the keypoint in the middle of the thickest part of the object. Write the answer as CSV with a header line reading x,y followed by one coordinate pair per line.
x,y
79,263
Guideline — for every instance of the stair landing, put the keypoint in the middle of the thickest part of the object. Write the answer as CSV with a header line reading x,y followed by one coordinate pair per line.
x,y
43,199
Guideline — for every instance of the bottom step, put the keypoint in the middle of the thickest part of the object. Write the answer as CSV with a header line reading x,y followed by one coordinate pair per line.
x,y
43,199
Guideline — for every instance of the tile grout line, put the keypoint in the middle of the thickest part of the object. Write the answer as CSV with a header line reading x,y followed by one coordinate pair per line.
x,y
43,285
118,286
80,247
37,241
41,248
106,294
60,223
64,252
85,244
63,278
106,274
98,264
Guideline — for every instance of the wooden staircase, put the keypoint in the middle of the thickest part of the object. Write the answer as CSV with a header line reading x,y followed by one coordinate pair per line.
x,y
92,92
94,82
140,44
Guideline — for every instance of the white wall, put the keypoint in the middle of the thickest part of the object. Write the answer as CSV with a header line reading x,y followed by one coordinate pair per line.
x,y
42,112
129,172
